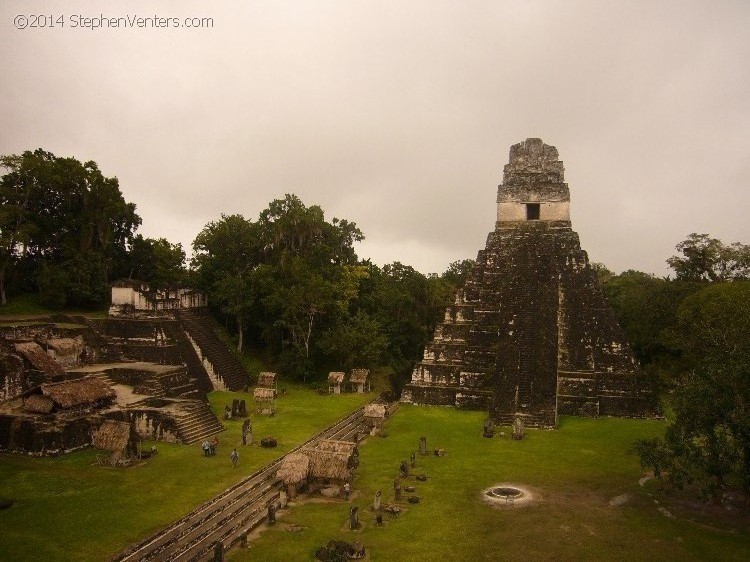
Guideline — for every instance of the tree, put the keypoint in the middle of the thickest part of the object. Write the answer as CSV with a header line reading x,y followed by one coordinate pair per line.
x,y
308,277
709,440
358,341
458,272
407,305
67,220
289,228
226,254
646,307
15,227
157,261
708,259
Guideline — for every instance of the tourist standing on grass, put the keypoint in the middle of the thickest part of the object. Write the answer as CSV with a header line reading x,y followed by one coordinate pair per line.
x,y
235,456
206,448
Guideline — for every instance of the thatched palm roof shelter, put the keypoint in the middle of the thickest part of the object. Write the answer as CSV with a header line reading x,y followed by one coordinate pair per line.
x,y
263,398
375,413
335,378
39,360
79,392
112,436
267,380
328,465
294,469
360,380
38,404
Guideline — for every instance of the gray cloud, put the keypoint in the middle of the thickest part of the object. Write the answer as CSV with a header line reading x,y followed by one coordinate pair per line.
x,y
399,115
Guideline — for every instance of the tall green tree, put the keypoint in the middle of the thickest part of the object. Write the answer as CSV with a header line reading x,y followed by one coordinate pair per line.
x,y
709,440
226,254
66,219
458,272
157,261
646,307
407,304
308,279
702,258
357,341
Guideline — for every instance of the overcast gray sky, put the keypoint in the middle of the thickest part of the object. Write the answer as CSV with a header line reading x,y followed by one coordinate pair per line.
x,y
397,115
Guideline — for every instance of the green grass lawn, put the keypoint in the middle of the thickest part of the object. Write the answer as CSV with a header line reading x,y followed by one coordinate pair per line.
x,y
68,509
574,472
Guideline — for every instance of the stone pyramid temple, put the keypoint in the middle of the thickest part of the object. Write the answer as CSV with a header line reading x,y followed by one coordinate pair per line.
x,y
531,333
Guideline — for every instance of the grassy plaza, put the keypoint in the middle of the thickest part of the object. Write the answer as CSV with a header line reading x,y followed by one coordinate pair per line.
x,y
68,509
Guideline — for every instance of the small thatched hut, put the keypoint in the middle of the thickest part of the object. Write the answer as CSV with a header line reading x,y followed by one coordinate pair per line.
x,y
331,462
335,378
112,436
327,467
293,473
84,394
375,414
264,400
38,359
268,380
359,380
38,404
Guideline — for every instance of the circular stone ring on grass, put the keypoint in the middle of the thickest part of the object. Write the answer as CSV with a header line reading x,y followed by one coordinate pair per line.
x,y
507,495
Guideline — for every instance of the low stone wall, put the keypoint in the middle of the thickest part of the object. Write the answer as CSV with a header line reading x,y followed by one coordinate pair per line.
x,y
469,399
45,437
432,395
606,394
153,423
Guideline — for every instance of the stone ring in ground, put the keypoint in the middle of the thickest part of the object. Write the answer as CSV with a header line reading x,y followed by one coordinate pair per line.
x,y
507,495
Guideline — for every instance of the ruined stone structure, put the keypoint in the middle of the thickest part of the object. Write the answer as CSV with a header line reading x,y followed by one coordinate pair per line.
x,y
531,334
156,367
136,297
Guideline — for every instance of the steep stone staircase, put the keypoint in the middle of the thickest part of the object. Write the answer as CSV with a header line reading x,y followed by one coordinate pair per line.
x,y
175,332
150,387
197,422
225,365
538,419
175,383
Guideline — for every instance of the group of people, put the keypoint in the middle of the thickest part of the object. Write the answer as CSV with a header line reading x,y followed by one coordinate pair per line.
x,y
209,450
209,447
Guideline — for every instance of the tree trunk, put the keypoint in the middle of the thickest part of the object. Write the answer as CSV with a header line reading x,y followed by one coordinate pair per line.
x,y
239,333
3,301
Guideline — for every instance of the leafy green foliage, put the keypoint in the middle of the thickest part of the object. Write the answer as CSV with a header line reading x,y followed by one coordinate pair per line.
x,y
358,340
646,307
458,272
156,261
709,440
226,253
64,222
292,281
708,259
